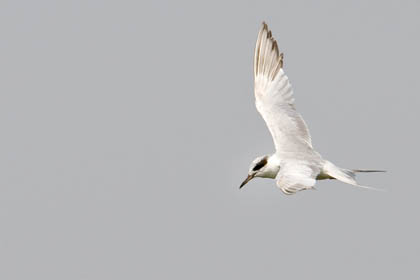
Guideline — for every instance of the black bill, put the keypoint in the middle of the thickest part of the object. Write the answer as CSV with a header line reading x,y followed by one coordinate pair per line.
x,y
246,180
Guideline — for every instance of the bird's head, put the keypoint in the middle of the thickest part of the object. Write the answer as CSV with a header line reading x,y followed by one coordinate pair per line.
x,y
256,169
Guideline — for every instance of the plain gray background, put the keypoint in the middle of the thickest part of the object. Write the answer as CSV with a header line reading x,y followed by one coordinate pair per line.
x,y
127,127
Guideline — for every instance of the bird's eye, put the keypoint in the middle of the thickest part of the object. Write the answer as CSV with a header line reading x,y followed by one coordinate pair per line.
x,y
260,165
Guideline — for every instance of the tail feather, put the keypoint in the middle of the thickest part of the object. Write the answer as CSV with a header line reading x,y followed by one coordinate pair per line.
x,y
366,171
370,188
346,175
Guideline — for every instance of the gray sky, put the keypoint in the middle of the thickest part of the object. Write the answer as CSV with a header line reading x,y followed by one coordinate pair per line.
x,y
127,127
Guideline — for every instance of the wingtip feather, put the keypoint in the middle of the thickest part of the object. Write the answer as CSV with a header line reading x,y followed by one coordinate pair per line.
x,y
267,58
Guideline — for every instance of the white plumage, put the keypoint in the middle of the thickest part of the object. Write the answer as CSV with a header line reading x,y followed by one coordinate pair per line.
x,y
295,164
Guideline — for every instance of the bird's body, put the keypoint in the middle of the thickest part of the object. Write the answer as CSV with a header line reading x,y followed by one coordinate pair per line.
x,y
295,165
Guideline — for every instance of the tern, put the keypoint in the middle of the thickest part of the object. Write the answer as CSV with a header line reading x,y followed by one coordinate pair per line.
x,y
295,165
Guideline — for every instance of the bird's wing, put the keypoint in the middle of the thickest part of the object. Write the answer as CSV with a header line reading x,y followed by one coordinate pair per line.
x,y
296,176
274,97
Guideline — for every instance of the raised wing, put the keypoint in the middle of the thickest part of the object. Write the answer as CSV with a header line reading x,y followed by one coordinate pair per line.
x,y
274,97
296,176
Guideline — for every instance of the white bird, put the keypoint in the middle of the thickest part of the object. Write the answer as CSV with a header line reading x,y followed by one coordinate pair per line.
x,y
295,165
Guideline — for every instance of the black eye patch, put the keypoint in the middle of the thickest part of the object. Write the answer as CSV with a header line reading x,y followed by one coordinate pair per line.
x,y
260,165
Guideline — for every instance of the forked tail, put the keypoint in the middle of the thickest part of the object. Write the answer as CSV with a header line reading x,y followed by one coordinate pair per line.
x,y
346,175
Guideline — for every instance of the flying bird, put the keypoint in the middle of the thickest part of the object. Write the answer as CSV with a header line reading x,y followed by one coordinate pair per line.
x,y
295,165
